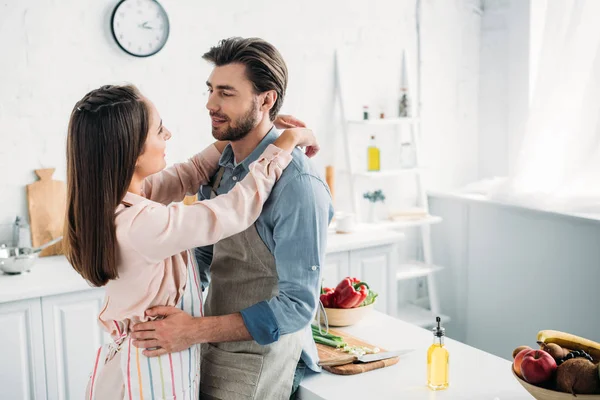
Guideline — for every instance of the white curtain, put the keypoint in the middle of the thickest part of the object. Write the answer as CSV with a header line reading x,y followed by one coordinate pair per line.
x,y
558,166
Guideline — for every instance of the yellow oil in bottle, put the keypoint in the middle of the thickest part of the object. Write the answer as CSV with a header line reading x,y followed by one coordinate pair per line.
x,y
373,156
438,360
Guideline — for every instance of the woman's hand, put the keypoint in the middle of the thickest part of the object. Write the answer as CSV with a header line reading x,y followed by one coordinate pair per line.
x,y
220,145
288,121
302,137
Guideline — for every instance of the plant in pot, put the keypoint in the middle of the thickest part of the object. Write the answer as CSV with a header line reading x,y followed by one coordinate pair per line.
x,y
374,197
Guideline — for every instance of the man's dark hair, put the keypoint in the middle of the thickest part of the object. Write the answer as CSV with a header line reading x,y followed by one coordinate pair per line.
x,y
265,67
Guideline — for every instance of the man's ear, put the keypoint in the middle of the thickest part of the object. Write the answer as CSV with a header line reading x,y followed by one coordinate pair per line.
x,y
268,101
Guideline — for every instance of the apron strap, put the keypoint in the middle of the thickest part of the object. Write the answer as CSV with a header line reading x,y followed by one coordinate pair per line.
x,y
217,182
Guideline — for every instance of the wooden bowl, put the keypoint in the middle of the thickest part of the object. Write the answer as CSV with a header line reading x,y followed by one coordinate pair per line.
x,y
547,394
346,316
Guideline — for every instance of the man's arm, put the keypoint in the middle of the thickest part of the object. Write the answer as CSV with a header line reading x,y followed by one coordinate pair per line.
x,y
302,213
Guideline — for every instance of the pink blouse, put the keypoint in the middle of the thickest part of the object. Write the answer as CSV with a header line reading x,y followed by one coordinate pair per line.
x,y
154,234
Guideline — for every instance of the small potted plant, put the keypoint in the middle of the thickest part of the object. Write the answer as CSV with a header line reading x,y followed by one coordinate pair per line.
x,y
374,197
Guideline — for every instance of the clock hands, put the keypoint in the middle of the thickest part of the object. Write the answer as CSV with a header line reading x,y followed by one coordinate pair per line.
x,y
145,26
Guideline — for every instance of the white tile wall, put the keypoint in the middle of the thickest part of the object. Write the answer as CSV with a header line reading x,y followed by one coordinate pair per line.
x,y
52,52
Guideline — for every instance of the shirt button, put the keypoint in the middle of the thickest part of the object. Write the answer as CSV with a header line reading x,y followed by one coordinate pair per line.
x,y
234,178
314,268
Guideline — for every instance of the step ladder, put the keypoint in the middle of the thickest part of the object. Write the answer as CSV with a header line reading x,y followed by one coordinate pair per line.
x,y
423,269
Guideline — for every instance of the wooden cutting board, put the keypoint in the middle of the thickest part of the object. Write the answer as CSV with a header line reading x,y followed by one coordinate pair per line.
x,y
47,200
327,353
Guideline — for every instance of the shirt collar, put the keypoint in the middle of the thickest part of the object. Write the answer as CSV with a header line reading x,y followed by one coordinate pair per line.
x,y
227,158
131,198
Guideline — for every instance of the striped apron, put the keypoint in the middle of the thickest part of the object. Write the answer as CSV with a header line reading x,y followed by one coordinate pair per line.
x,y
121,371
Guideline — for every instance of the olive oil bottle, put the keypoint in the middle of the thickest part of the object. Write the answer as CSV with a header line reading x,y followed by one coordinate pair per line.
x,y
437,360
373,156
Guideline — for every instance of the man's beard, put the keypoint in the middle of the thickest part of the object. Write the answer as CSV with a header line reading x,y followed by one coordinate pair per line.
x,y
243,125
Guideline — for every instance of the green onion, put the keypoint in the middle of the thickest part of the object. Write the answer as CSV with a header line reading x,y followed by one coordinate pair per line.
x,y
328,342
322,334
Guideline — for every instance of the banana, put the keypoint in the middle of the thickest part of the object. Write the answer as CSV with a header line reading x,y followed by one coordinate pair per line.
x,y
569,341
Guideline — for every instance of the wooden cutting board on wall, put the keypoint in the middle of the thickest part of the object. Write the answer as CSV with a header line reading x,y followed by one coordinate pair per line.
x,y
47,201
327,353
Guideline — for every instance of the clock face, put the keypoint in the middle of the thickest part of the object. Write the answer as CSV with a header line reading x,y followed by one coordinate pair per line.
x,y
140,27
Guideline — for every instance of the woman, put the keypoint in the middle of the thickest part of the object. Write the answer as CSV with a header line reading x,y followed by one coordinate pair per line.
x,y
124,231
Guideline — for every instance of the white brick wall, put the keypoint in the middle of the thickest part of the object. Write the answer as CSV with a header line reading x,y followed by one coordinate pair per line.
x,y
53,51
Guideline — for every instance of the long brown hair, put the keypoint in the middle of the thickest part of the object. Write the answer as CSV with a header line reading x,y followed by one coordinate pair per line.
x,y
265,66
107,131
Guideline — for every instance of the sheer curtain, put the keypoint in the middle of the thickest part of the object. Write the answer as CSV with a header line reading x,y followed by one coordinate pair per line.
x,y
558,165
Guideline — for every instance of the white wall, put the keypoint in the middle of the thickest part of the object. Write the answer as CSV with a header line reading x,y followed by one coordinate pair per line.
x,y
54,52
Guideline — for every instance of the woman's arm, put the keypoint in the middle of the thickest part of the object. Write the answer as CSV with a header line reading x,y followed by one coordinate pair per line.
x,y
159,231
174,183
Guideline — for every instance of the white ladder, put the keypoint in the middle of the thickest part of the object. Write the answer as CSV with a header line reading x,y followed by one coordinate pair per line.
x,y
417,269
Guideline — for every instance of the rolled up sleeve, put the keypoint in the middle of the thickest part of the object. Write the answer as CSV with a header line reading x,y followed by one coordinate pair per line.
x,y
301,216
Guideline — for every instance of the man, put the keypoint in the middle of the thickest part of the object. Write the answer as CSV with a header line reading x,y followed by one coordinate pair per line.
x,y
264,282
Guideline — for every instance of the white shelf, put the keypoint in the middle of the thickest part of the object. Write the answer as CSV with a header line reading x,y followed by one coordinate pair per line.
x,y
415,269
419,316
386,173
384,121
408,222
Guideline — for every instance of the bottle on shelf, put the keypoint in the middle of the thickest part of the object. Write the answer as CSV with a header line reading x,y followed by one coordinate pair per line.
x,y
403,109
365,112
373,155
404,101
437,360
407,155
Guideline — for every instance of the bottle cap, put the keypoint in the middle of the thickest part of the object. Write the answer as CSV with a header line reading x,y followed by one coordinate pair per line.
x,y
438,331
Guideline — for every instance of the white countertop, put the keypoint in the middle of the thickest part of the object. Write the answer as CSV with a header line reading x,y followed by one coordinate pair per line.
x,y
474,374
54,275
362,237
48,276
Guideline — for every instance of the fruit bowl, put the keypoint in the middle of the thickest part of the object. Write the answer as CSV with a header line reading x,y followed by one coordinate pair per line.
x,y
346,316
540,393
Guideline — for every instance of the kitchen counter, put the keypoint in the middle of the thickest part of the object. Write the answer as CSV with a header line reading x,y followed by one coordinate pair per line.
x,y
474,374
54,275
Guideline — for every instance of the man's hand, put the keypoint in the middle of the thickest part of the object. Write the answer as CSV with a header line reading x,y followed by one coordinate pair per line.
x,y
288,121
171,334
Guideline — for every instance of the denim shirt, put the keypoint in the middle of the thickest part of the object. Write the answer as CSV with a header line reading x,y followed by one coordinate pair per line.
x,y
293,226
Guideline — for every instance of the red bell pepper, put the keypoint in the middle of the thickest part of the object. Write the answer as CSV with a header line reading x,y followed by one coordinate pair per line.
x,y
350,293
328,297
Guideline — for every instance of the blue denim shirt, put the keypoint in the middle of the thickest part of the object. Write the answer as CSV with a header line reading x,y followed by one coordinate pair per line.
x,y
293,225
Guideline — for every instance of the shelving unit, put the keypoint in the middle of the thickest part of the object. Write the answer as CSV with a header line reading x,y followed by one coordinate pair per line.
x,y
418,269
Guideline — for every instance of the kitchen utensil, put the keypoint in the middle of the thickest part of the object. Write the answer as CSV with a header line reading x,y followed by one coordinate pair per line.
x,y
46,245
327,354
46,199
15,260
366,358
540,393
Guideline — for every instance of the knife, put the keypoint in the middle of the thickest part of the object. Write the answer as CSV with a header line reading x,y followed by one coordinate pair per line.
x,y
366,358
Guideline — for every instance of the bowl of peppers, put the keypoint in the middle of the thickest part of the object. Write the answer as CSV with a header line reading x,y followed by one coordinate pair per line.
x,y
348,302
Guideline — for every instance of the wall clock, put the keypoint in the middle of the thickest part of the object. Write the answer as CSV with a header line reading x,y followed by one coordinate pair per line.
x,y
140,27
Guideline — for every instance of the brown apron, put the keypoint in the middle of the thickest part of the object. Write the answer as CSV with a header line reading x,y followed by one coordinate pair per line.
x,y
243,272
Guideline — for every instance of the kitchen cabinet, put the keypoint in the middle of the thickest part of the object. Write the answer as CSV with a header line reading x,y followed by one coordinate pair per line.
x,y
22,372
72,336
374,265
337,266
49,332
